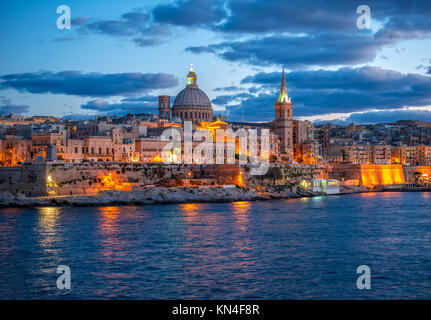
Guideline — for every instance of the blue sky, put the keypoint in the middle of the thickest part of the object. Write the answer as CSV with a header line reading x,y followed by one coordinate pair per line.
x,y
119,55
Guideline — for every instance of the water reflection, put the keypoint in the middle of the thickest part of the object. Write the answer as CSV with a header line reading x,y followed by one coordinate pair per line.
x,y
109,229
48,225
9,234
49,238
241,210
190,210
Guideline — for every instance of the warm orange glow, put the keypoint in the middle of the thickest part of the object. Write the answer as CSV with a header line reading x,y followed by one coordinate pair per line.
x,y
110,212
112,181
240,180
156,158
382,174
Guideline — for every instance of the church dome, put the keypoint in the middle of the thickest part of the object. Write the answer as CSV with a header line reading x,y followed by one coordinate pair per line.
x,y
192,97
192,103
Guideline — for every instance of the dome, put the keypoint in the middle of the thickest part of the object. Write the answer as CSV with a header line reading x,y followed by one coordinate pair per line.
x,y
192,103
192,97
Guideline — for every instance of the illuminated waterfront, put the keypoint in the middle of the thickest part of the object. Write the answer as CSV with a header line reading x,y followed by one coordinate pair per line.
x,y
303,248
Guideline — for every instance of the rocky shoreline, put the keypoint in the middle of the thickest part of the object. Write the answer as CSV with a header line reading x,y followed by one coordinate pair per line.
x,y
162,195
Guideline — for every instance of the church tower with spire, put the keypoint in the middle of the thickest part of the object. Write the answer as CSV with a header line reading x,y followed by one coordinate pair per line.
x,y
283,125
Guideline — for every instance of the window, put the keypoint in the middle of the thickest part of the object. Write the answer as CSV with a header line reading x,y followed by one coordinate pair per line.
x,y
76,149
100,150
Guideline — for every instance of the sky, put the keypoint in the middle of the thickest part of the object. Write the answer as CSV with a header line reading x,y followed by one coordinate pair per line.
x,y
118,56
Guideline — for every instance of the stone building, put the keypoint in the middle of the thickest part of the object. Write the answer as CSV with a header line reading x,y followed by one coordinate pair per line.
x,y
164,108
283,125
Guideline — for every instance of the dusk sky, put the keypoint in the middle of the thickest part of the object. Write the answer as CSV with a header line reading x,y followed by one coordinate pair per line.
x,y
119,56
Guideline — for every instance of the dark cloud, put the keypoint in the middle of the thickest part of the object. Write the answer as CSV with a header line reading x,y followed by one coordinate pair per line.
x,y
343,90
88,84
129,24
389,116
317,16
146,42
322,33
79,21
135,104
299,51
136,24
312,32
190,13
6,107
280,15
227,99
229,88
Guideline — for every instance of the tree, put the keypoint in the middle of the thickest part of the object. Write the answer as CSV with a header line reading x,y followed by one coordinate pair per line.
x,y
274,173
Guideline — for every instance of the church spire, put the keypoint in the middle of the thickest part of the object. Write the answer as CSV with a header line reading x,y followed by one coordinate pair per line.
x,y
283,89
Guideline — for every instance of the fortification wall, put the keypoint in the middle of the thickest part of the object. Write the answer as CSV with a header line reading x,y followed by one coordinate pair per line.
x,y
58,178
29,179
90,178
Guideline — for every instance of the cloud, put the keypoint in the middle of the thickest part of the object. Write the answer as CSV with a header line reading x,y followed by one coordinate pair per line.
x,y
298,51
88,84
389,116
227,99
79,21
190,13
129,24
136,25
316,92
6,107
126,105
322,33
280,15
146,42
228,88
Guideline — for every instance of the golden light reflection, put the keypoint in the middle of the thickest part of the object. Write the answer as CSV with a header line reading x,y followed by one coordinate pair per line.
x,y
191,210
110,212
112,245
241,210
48,227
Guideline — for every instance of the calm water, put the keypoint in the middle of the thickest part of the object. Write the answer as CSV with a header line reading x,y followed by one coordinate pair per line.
x,y
287,249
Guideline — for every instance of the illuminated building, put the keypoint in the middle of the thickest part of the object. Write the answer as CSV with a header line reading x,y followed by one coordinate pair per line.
x,y
283,125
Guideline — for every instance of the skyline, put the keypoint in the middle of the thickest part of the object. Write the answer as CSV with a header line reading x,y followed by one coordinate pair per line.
x,y
124,55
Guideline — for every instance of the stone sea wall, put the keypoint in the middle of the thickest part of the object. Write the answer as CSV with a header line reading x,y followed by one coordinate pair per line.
x,y
59,179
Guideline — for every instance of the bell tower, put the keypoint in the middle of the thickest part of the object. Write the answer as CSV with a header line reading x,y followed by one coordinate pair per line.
x,y
283,120
164,108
